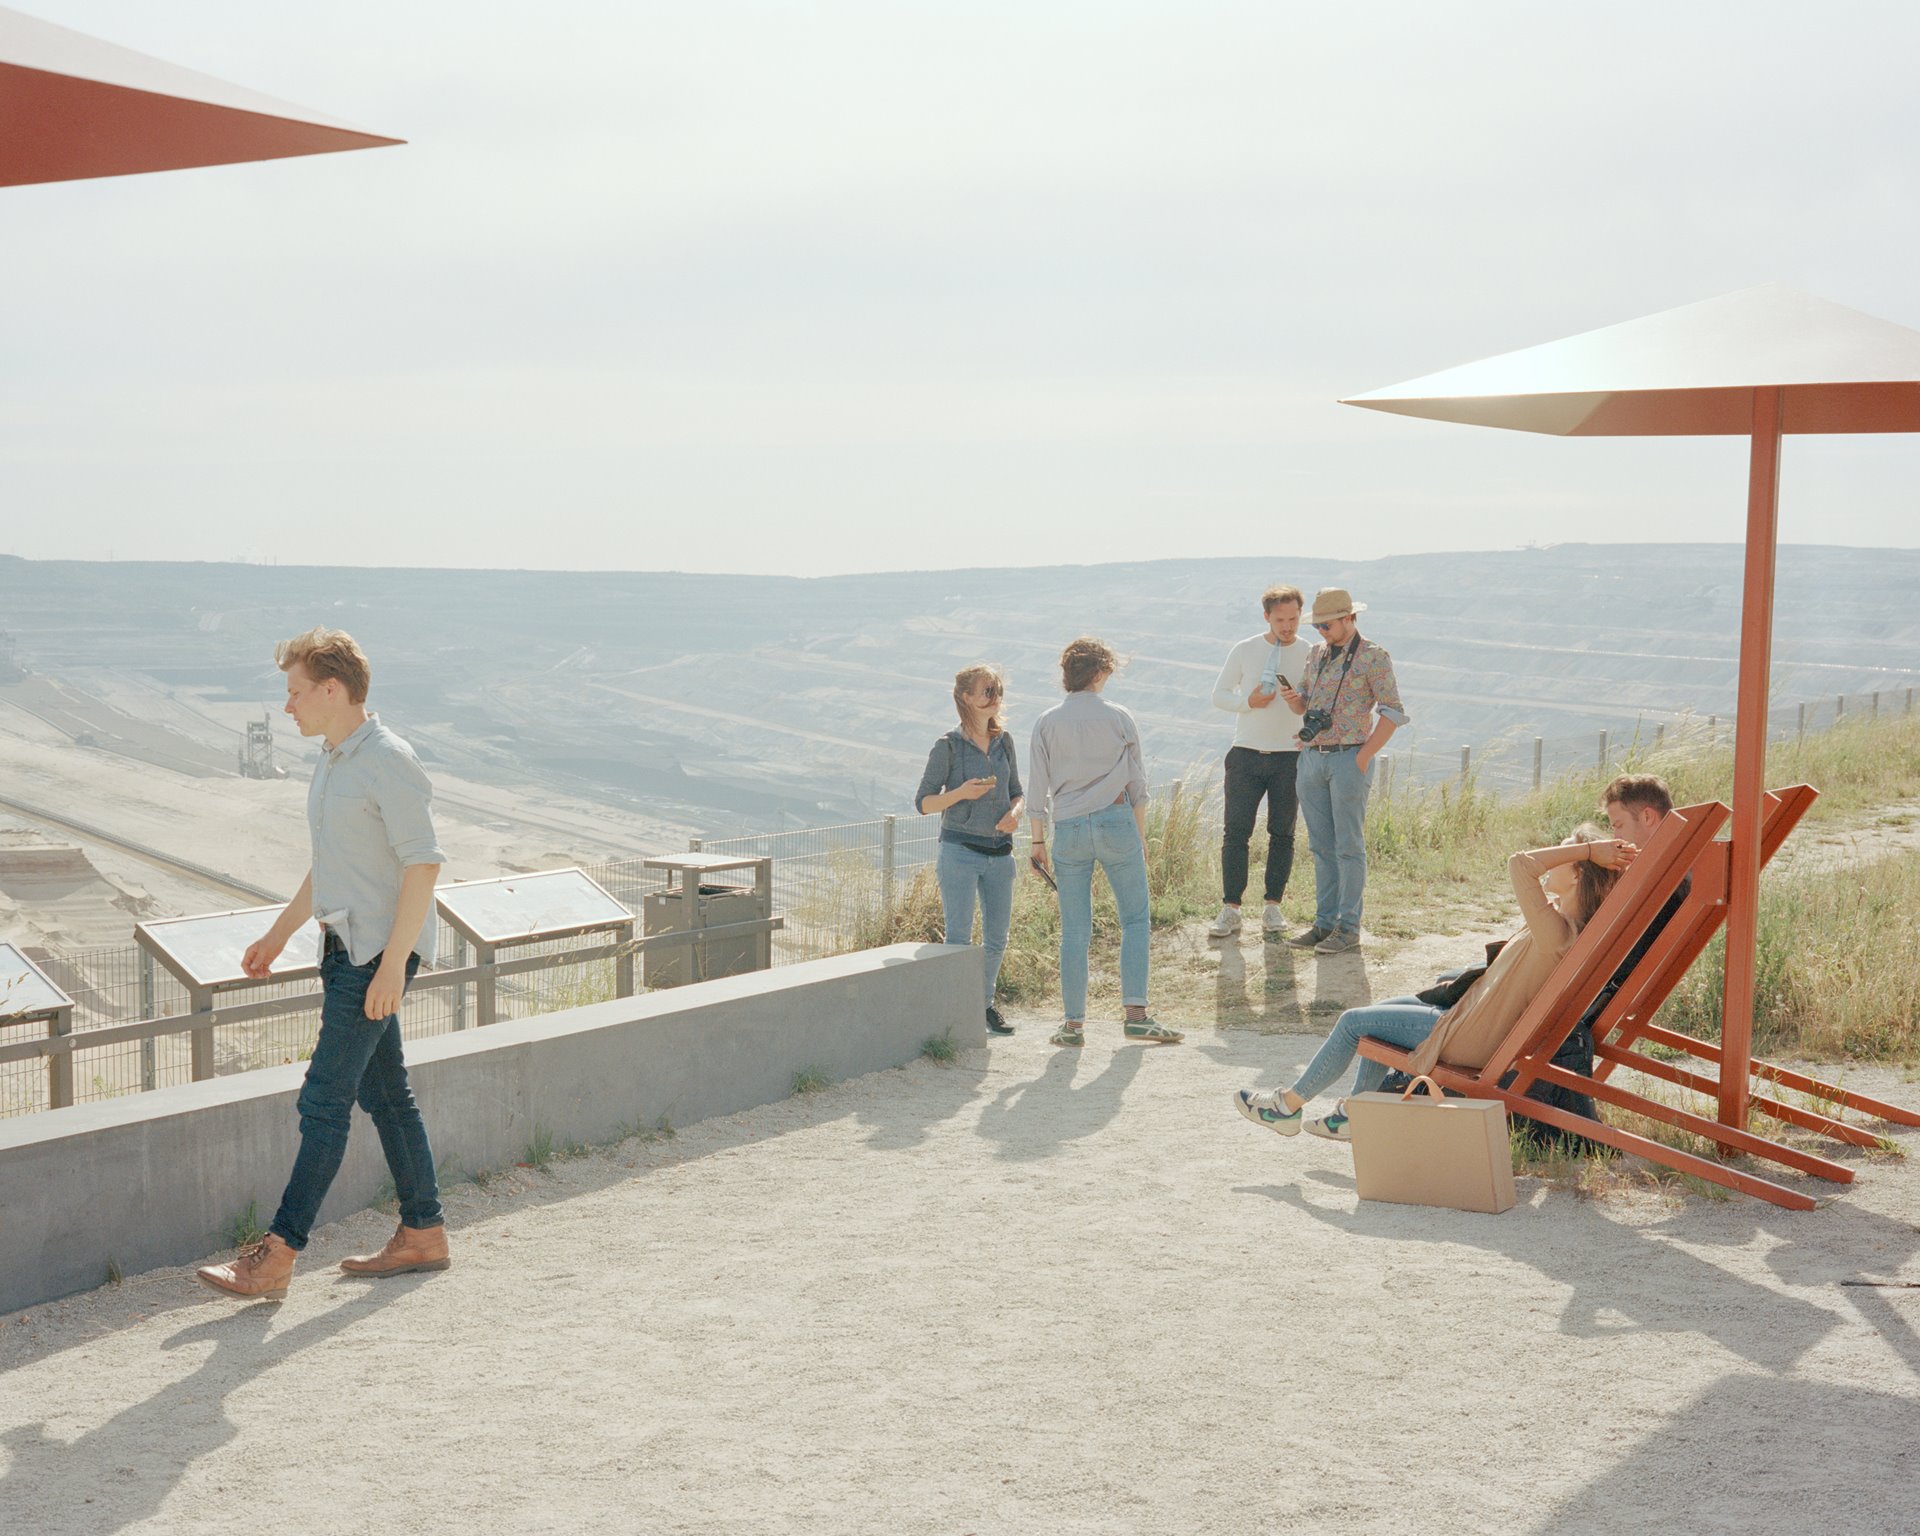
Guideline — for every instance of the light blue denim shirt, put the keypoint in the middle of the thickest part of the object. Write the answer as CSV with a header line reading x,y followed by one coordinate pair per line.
x,y
370,810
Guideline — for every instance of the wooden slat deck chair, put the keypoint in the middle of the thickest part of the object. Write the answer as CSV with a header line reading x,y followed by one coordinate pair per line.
x,y
1683,846
1628,1018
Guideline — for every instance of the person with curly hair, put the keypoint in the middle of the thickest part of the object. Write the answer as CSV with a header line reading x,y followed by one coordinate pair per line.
x,y
1088,783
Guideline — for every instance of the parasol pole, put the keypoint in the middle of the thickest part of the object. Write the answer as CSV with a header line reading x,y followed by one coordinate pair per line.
x,y
1750,757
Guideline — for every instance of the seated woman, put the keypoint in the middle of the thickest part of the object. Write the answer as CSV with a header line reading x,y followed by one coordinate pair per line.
x,y
1559,891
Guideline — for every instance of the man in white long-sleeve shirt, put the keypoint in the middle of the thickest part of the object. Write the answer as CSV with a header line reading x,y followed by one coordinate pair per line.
x,y
1265,753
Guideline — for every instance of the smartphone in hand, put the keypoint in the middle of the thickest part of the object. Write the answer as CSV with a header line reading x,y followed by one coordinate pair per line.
x,y
1045,874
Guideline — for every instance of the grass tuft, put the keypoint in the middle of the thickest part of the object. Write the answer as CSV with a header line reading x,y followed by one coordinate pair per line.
x,y
941,1047
810,1080
245,1228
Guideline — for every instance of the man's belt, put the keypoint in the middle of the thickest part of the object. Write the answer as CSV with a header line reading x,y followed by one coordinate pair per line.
x,y
1345,746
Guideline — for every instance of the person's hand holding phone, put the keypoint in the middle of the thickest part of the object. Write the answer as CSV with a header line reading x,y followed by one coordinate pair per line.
x,y
973,789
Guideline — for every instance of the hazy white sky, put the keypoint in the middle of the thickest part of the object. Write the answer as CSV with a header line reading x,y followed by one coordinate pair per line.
x,y
834,287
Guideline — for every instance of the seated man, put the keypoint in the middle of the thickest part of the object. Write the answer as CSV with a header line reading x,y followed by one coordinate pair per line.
x,y
1634,804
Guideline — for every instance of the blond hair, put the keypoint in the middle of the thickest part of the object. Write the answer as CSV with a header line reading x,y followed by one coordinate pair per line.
x,y
324,653
1273,597
969,678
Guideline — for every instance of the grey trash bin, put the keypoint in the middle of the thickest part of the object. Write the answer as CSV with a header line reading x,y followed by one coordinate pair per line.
x,y
692,902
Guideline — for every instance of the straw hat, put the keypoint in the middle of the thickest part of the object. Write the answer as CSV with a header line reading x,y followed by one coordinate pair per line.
x,y
1331,603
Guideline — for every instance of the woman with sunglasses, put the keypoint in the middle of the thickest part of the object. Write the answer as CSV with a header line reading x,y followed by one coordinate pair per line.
x,y
973,783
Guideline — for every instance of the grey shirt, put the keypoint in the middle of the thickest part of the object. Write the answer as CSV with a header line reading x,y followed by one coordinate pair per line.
x,y
1085,757
954,760
370,811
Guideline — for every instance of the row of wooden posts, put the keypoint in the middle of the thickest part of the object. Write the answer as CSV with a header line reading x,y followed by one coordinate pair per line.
x,y
1660,737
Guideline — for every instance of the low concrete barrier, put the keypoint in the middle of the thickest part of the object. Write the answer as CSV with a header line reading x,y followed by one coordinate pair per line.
x,y
158,1178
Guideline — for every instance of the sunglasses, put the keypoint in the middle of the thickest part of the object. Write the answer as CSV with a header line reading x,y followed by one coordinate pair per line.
x,y
990,690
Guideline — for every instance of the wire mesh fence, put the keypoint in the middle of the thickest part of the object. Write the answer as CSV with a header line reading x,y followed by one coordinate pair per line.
x,y
833,886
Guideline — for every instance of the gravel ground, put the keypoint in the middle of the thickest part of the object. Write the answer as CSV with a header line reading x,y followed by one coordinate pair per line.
x,y
1033,1291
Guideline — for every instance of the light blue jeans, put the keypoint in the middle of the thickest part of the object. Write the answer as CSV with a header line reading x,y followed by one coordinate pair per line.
x,y
1333,799
965,875
1401,1021
1111,838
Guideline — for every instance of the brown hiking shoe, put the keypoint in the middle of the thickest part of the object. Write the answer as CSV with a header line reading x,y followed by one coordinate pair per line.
x,y
409,1248
259,1269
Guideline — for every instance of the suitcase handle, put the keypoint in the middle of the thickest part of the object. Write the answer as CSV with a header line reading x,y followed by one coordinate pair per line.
x,y
1433,1088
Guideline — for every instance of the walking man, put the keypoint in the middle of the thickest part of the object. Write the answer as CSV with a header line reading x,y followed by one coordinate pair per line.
x,y
1262,761
375,860
1349,705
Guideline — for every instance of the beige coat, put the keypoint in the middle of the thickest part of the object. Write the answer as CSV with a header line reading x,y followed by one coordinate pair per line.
x,y
1469,1032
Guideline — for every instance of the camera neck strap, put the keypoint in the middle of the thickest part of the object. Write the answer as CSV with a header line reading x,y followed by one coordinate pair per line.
x,y
1352,648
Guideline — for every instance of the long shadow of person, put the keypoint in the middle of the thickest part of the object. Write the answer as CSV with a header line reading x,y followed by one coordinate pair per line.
x,y
1035,1118
1618,1278
135,1458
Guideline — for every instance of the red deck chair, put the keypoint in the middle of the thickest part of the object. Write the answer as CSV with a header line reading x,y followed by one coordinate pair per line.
x,y
1684,844
1628,1018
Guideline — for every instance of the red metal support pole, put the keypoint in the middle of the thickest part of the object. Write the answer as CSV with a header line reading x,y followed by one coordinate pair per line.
x,y
1750,758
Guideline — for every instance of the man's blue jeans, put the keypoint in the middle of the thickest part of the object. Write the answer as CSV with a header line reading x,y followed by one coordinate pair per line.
x,y
1333,800
966,874
1401,1021
1111,838
356,1057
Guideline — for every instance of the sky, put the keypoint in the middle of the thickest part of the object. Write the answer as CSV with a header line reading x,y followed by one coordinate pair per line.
x,y
821,288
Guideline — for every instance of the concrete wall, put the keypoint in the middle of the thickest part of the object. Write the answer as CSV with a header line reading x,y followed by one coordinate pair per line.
x,y
156,1178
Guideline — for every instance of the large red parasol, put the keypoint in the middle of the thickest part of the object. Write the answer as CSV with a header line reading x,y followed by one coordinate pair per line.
x,y
73,107
1760,363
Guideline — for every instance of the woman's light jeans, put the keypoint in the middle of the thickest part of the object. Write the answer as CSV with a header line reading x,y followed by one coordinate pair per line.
x,y
1401,1021
964,875
1112,839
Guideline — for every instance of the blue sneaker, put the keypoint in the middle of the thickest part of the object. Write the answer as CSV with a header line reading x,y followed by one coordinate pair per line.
x,y
1332,1127
1264,1109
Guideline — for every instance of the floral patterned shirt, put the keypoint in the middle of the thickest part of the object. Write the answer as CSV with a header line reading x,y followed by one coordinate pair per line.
x,y
1369,685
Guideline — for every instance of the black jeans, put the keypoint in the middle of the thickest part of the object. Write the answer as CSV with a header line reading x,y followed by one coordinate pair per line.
x,y
1252,776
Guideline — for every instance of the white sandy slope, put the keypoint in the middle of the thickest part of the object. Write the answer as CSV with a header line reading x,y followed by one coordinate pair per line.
x,y
1036,1291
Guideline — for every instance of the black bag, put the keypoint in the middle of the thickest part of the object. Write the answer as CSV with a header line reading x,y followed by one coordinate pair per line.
x,y
1445,994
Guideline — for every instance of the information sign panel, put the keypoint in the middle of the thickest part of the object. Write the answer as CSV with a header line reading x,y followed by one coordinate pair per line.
x,y
205,951
24,989
517,908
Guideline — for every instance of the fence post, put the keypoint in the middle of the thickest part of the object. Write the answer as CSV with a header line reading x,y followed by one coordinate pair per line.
x,y
1800,731
460,992
1713,728
60,1063
1659,736
149,1065
1539,748
1466,763
1839,707
887,824
200,1000
1909,701
1386,776
1603,751
1873,710
693,845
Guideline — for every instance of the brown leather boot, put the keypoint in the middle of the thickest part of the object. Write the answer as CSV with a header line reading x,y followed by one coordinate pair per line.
x,y
260,1269
409,1248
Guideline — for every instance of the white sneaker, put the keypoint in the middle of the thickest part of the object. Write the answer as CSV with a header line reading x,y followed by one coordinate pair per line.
x,y
1271,921
1226,925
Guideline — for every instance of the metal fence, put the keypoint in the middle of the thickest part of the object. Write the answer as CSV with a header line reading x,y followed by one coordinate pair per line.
x,y
833,885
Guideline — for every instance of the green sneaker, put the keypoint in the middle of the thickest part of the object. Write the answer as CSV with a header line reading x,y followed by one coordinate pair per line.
x,y
1068,1034
1152,1033
1331,1127
1264,1109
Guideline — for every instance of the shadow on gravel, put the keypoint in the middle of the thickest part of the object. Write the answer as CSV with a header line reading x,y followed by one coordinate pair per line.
x,y
1666,1289
1036,1117
120,1473
1755,1453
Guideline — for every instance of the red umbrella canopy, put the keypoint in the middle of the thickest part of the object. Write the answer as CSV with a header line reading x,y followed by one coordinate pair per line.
x,y
1687,372
73,107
